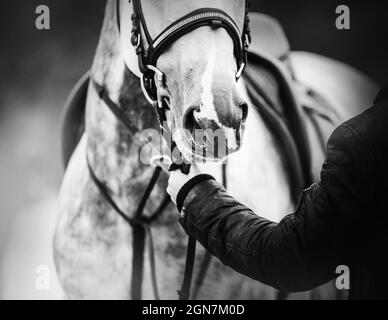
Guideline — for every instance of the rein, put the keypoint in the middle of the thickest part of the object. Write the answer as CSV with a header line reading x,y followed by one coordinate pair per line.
x,y
147,57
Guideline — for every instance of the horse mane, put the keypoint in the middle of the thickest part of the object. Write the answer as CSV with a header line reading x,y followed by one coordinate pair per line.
x,y
108,45
108,53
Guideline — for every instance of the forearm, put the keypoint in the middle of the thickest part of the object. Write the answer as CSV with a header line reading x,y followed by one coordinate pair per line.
x,y
275,254
304,249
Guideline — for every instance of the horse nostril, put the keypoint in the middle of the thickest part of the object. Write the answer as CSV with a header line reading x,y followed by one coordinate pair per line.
x,y
244,110
189,120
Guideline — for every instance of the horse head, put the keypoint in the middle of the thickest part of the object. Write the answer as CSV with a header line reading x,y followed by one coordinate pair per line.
x,y
206,113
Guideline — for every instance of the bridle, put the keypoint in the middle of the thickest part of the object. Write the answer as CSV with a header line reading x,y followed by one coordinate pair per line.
x,y
148,50
147,58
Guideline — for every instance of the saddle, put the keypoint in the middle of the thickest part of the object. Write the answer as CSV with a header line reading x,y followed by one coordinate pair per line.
x,y
283,112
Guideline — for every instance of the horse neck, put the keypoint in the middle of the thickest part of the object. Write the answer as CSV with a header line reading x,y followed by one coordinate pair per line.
x,y
256,173
111,147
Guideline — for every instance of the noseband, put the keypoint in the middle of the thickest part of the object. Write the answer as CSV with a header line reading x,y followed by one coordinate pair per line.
x,y
147,57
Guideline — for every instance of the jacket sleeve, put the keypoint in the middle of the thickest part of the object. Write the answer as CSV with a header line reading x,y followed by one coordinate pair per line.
x,y
303,250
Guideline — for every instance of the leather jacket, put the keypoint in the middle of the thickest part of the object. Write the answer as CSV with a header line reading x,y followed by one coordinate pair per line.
x,y
341,220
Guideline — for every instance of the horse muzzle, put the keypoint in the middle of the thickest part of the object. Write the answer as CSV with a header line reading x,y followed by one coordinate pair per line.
x,y
209,139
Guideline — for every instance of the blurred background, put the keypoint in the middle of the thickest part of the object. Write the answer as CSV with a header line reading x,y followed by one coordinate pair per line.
x,y
38,70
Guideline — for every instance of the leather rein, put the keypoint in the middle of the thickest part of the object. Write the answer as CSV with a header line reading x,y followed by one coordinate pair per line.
x,y
147,58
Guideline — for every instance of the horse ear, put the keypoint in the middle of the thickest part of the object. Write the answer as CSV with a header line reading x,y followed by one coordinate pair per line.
x,y
127,50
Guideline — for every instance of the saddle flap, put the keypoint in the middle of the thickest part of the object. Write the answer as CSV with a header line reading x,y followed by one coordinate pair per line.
x,y
72,119
268,36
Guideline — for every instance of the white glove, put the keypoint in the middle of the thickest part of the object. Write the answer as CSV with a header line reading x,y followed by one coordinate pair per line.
x,y
178,179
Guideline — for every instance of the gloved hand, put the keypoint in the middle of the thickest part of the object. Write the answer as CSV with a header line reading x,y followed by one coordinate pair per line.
x,y
178,179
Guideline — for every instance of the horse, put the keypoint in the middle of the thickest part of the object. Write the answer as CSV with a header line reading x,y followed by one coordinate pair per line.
x,y
277,116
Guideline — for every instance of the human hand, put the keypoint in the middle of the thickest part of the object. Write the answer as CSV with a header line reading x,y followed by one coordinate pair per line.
x,y
178,179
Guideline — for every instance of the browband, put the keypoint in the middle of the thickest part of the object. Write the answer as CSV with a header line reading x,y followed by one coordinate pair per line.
x,y
214,18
